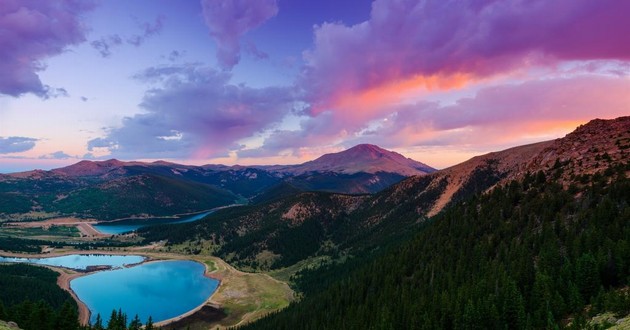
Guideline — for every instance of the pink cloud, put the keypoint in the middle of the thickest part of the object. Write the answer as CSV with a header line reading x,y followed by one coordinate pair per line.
x,y
30,31
496,117
406,39
508,114
229,20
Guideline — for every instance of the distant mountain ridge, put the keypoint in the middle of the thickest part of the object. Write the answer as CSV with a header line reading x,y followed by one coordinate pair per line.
x,y
78,189
362,158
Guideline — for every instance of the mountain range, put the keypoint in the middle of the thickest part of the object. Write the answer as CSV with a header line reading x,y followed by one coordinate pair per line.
x,y
287,226
115,189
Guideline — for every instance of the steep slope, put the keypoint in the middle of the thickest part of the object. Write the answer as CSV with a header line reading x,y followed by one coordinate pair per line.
x,y
529,255
590,148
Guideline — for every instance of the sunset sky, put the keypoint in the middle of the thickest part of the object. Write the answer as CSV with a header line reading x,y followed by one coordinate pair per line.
x,y
284,81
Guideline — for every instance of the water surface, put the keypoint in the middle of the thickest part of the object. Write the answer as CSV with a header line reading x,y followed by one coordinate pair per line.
x,y
128,225
81,261
163,290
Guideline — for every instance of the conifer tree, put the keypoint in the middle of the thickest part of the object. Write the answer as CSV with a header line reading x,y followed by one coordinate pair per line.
x,y
135,323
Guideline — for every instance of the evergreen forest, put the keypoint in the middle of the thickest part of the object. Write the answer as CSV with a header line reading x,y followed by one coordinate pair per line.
x,y
532,254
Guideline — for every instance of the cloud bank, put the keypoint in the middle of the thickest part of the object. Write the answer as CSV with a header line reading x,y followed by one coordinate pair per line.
x,y
194,113
31,31
405,40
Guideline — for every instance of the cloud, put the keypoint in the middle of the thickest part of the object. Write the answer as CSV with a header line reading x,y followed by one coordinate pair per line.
x,y
175,55
14,144
194,112
430,43
32,31
495,117
56,155
105,44
256,53
229,20
149,30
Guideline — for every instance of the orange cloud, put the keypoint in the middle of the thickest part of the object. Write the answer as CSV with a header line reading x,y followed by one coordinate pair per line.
x,y
375,100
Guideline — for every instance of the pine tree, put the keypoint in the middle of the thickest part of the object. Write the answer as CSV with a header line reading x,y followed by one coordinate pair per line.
x,y
135,323
149,325
513,308
98,324
587,276
68,318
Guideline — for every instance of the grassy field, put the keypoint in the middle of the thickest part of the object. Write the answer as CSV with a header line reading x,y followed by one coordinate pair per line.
x,y
243,296
41,233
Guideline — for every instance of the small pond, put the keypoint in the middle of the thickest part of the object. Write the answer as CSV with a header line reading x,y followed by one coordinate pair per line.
x,y
81,261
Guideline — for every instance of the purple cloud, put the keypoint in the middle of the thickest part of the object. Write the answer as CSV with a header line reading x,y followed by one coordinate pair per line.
x,y
195,113
404,39
13,144
229,20
30,31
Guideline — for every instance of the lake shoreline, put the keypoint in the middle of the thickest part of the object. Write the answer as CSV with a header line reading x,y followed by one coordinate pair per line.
x,y
206,273
248,295
64,279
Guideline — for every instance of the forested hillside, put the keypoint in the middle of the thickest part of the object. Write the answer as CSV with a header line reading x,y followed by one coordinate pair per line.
x,y
30,296
529,255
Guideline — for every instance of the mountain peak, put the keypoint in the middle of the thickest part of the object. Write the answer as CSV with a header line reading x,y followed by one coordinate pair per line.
x,y
366,158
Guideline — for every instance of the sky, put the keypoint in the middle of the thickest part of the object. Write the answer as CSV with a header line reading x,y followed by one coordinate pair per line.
x,y
284,81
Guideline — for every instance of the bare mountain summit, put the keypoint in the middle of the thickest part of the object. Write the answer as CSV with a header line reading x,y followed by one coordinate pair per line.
x,y
366,158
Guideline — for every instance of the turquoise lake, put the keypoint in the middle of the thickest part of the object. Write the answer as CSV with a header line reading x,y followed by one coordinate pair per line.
x,y
128,225
81,261
162,290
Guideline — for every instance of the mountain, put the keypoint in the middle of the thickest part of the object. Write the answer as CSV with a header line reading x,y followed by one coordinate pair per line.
x,y
533,237
363,169
362,158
